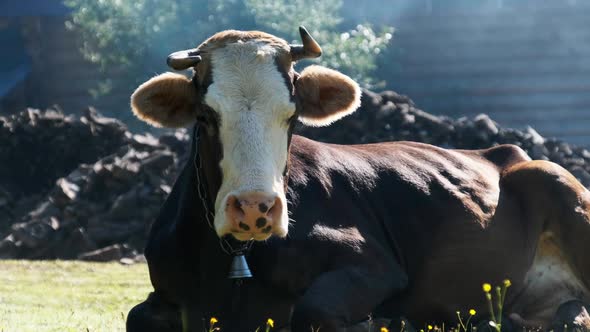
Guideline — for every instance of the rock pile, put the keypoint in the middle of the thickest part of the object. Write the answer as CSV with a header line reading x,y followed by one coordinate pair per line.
x,y
101,211
44,145
98,187
37,147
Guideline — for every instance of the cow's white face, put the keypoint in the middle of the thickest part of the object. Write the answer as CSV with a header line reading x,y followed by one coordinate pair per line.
x,y
254,108
250,89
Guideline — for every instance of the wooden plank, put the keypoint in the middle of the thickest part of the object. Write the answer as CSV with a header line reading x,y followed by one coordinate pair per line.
x,y
520,92
441,57
576,140
574,131
477,86
374,11
547,123
564,66
496,35
522,26
511,17
552,115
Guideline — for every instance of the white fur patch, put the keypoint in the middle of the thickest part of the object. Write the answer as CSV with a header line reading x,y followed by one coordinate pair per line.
x,y
549,283
253,102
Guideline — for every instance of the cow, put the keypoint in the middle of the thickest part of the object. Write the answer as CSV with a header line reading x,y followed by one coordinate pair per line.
x,y
335,233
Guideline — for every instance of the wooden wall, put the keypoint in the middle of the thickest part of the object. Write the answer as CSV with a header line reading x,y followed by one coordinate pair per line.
x,y
524,62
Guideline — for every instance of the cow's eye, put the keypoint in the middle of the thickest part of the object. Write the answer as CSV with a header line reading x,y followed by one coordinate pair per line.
x,y
202,119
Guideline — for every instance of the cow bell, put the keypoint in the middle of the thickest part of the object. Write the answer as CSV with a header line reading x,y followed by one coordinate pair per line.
x,y
239,267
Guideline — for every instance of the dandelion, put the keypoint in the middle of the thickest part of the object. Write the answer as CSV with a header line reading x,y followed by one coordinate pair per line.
x,y
269,324
464,325
429,327
384,329
212,327
496,321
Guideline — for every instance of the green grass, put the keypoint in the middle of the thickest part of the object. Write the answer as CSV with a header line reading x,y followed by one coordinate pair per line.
x,y
68,295
76,296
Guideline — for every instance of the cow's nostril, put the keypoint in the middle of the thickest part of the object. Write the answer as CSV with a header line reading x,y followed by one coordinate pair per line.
x,y
263,207
234,208
260,222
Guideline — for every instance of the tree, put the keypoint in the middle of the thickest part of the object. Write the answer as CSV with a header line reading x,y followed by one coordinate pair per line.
x,y
138,35
353,52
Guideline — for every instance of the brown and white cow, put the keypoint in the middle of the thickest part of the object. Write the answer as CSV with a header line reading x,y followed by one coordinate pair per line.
x,y
393,229
244,86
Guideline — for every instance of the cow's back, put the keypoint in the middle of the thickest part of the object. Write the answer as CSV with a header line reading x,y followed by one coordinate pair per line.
x,y
462,181
440,211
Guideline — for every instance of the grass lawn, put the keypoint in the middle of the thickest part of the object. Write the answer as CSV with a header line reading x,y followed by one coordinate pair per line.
x,y
69,295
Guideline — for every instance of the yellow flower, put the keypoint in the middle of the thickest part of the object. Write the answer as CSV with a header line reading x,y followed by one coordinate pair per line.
x,y
487,287
212,321
472,312
507,283
384,329
429,327
270,322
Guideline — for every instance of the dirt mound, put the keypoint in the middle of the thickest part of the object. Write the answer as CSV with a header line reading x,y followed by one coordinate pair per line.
x,y
98,187
102,210
40,146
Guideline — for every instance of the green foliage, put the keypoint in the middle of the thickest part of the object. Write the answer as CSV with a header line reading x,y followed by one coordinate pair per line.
x,y
138,35
283,16
353,52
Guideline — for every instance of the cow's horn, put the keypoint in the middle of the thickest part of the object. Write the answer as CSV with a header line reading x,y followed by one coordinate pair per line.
x,y
184,59
309,49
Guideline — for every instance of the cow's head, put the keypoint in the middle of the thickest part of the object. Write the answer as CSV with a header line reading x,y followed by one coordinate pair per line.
x,y
246,94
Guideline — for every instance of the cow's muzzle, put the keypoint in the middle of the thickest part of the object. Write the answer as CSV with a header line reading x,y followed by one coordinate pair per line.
x,y
253,215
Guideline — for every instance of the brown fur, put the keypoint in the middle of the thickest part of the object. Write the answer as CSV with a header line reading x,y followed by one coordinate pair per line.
x,y
325,95
167,100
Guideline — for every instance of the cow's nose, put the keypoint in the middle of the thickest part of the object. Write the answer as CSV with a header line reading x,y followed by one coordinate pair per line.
x,y
253,212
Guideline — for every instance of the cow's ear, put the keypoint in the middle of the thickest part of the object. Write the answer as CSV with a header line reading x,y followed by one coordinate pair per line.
x,y
167,100
325,95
